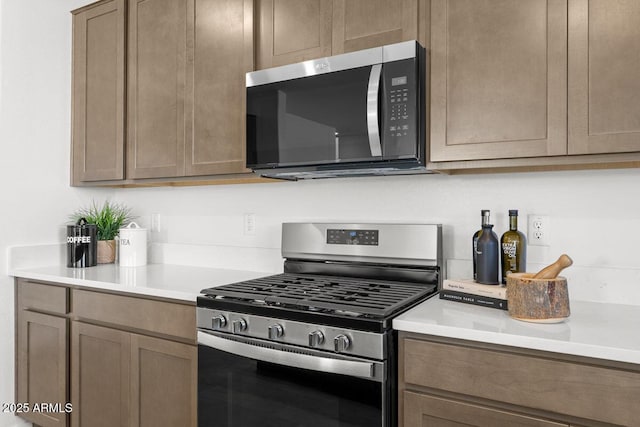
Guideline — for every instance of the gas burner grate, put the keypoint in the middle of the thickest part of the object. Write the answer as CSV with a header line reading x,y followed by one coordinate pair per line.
x,y
340,295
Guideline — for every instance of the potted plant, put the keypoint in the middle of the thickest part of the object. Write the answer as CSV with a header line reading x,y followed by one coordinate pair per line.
x,y
108,219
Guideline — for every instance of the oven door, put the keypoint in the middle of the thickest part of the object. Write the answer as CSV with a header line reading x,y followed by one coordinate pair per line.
x,y
245,382
322,119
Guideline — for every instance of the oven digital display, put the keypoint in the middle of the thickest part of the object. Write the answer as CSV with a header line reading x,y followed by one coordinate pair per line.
x,y
352,237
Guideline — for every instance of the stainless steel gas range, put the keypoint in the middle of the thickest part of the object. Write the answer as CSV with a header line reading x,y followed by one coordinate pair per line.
x,y
314,346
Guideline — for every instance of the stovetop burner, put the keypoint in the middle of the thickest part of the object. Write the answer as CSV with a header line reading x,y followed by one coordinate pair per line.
x,y
349,297
336,276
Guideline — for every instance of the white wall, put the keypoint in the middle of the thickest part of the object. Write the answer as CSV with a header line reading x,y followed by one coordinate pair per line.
x,y
595,215
35,200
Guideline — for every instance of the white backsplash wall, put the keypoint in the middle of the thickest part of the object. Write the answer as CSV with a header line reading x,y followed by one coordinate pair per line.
x,y
594,217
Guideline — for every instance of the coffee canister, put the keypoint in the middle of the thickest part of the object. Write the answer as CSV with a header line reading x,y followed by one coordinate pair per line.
x,y
133,246
81,244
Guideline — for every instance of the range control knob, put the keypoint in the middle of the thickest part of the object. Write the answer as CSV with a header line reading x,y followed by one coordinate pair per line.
x,y
218,322
239,325
275,331
341,343
316,338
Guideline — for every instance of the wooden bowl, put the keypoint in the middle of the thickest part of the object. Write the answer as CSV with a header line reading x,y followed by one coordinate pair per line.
x,y
537,300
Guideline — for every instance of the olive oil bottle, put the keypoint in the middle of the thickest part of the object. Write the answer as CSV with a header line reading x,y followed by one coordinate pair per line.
x,y
514,248
485,213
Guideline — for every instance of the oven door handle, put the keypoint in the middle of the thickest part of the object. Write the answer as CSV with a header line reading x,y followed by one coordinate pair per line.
x,y
350,368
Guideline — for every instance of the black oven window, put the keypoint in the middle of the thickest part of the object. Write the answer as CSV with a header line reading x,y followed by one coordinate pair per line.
x,y
239,392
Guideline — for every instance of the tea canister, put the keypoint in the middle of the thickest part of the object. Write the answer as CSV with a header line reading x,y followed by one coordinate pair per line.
x,y
133,246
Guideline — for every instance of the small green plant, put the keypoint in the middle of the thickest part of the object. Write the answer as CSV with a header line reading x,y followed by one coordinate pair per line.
x,y
108,218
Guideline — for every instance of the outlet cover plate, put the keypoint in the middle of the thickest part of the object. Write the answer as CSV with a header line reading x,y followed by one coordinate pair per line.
x,y
249,224
538,230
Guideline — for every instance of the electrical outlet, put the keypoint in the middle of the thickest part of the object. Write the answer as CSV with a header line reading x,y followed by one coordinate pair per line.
x,y
155,223
538,234
249,224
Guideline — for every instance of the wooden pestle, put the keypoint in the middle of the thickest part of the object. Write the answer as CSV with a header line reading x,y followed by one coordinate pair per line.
x,y
552,271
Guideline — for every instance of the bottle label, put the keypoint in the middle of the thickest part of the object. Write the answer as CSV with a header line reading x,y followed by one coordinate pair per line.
x,y
509,249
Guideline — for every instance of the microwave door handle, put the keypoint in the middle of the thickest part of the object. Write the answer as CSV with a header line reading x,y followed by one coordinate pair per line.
x,y
372,111
350,368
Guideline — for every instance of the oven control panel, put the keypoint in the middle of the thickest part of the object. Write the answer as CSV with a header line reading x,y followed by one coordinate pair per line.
x,y
352,237
283,331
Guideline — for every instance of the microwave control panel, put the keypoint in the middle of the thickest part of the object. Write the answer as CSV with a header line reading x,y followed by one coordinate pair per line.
x,y
400,121
399,100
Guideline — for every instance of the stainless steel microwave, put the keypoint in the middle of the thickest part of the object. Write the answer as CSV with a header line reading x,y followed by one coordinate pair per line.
x,y
360,113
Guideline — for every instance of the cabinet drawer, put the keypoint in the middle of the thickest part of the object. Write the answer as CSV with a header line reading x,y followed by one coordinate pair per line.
x,y
40,296
424,410
136,314
571,388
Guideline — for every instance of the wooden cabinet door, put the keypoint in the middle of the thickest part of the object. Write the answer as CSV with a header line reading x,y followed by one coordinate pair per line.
x,y
41,371
498,79
421,410
98,92
156,88
604,65
164,383
291,31
361,24
100,376
221,35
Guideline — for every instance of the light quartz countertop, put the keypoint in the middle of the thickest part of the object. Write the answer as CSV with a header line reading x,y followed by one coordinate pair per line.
x,y
602,331
178,282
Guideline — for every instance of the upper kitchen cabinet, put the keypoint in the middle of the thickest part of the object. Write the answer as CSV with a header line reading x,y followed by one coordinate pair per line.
x,y
498,79
290,31
98,92
361,24
220,34
604,65
187,62
185,68
156,84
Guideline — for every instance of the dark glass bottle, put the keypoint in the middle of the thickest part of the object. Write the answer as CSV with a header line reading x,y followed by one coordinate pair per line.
x,y
514,248
485,213
488,252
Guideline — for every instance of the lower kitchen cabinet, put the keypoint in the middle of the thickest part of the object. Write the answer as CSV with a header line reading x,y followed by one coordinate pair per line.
x,y
133,361
41,353
100,376
422,410
41,374
164,376
125,379
119,360
447,382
